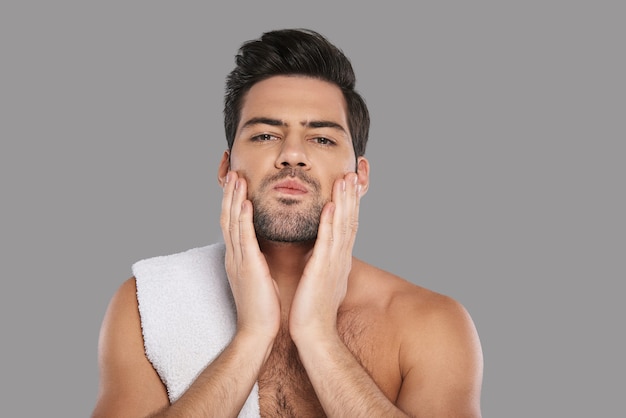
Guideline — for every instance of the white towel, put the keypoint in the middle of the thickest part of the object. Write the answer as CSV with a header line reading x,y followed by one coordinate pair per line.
x,y
187,315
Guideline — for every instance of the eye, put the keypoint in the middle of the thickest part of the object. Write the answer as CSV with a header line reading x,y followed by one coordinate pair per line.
x,y
323,141
263,138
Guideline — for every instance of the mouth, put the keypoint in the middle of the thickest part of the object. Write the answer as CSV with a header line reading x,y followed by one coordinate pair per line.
x,y
291,187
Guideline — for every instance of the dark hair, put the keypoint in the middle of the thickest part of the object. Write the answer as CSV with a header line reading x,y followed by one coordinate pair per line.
x,y
294,52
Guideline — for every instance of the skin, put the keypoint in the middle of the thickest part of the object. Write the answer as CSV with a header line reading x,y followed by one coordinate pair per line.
x,y
368,343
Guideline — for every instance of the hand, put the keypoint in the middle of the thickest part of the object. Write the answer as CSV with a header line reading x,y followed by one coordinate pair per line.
x,y
324,282
254,290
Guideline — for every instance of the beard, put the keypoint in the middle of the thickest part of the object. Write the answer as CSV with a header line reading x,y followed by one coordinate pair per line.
x,y
287,220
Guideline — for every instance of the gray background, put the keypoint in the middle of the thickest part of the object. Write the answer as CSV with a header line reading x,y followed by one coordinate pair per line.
x,y
497,153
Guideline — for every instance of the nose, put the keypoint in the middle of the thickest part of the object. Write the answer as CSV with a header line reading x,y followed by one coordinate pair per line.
x,y
292,154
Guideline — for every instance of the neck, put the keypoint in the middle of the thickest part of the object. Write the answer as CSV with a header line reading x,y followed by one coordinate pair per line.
x,y
286,261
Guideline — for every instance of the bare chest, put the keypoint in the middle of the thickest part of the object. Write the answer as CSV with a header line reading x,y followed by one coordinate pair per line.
x,y
284,386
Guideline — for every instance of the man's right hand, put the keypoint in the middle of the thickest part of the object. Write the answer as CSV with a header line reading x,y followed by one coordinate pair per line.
x,y
254,290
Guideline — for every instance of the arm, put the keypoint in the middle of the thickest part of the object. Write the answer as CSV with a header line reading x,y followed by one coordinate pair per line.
x,y
441,362
130,387
343,387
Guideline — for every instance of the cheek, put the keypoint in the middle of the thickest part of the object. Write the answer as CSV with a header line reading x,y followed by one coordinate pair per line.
x,y
327,187
242,165
334,176
244,159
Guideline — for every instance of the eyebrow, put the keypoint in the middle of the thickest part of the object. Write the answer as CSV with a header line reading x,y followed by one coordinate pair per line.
x,y
278,122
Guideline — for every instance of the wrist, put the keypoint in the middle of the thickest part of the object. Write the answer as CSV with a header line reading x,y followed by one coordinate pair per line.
x,y
315,337
254,342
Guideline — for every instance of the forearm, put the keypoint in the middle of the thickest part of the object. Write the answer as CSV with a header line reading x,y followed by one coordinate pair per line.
x,y
343,387
224,385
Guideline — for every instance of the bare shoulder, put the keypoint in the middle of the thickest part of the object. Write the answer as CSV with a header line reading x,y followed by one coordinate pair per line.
x,y
129,385
415,305
420,316
125,297
121,319
439,351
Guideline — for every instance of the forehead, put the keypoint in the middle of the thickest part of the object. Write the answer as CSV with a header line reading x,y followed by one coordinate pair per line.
x,y
295,99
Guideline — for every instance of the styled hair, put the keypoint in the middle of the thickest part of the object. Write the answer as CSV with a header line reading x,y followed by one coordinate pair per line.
x,y
294,52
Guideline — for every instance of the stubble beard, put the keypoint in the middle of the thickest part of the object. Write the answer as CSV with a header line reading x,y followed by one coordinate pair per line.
x,y
287,220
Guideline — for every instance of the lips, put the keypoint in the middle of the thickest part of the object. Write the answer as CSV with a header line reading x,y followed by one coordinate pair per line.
x,y
290,187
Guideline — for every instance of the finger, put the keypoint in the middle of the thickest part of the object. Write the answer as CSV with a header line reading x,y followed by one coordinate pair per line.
x,y
247,235
346,217
227,199
325,237
239,196
252,260
353,193
339,221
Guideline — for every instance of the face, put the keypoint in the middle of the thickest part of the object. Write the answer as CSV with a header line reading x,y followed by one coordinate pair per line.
x,y
292,143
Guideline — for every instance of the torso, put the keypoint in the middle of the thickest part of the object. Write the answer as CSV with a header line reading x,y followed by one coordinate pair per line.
x,y
284,388
370,331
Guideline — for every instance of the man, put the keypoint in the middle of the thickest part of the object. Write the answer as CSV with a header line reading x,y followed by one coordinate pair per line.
x,y
316,332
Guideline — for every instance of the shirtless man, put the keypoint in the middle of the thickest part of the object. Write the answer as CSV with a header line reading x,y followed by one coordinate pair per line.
x,y
320,332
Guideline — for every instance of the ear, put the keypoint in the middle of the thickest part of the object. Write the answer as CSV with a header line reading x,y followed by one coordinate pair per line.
x,y
223,168
363,172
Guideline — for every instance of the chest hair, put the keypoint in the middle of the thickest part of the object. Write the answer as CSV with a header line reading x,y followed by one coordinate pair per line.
x,y
284,387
